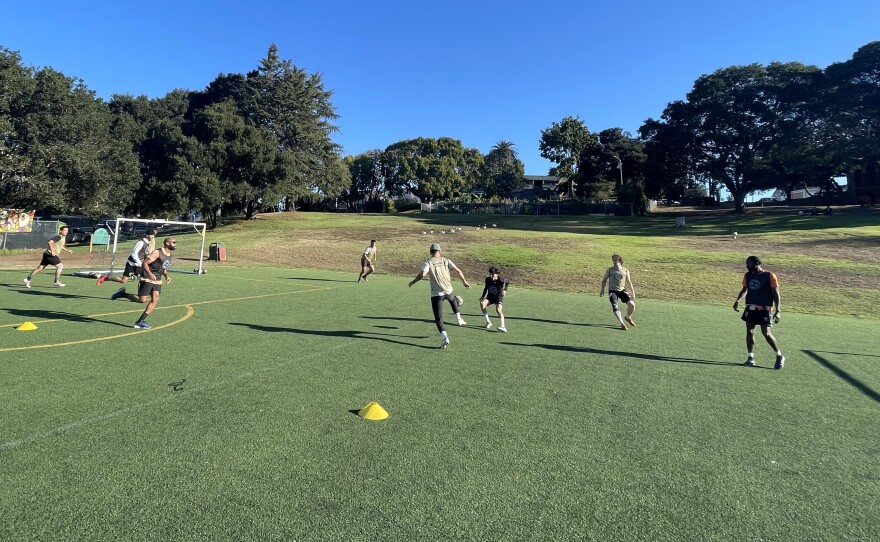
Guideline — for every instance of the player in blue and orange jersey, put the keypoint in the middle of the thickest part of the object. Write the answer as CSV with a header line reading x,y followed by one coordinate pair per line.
x,y
761,291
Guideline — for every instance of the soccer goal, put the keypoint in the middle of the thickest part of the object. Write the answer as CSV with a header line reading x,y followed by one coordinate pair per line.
x,y
125,232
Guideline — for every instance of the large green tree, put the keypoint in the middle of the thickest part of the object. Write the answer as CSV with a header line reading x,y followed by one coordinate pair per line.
x,y
503,171
431,168
367,176
59,151
732,119
294,106
853,100
244,156
563,143
805,153
243,143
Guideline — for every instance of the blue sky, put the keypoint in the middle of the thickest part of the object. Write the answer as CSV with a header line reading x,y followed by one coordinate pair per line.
x,y
478,71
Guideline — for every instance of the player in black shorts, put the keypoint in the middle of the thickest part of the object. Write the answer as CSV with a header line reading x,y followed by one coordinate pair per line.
x,y
494,291
150,284
620,288
368,261
135,261
761,290
51,257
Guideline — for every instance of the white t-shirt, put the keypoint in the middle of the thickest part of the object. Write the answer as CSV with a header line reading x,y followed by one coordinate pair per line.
x,y
139,252
369,252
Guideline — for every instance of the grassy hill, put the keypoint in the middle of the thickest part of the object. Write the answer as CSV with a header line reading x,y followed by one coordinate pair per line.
x,y
826,264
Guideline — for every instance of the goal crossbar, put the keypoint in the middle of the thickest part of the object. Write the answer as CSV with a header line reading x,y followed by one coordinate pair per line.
x,y
199,227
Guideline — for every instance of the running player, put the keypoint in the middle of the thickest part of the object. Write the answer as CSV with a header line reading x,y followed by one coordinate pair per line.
x,y
437,268
618,278
493,294
368,261
135,261
51,256
150,283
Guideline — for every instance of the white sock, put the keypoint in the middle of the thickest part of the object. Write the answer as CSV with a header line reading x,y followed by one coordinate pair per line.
x,y
486,316
779,352
502,322
443,335
751,354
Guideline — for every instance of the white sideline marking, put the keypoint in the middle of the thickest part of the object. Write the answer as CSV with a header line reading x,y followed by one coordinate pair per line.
x,y
8,445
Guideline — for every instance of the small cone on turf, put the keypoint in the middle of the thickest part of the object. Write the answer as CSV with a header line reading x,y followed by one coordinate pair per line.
x,y
373,411
27,326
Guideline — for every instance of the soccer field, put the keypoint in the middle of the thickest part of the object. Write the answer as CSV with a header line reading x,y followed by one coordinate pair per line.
x,y
235,417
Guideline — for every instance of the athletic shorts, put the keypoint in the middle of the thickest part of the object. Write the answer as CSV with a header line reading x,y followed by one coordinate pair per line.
x,y
132,271
50,260
757,317
614,295
365,262
494,300
146,289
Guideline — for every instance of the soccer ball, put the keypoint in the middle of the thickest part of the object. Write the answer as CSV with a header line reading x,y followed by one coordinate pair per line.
x,y
459,300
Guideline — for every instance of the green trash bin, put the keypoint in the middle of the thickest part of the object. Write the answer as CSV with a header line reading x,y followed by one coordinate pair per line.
x,y
217,252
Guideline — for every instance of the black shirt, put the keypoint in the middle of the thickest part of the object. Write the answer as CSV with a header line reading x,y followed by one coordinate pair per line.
x,y
494,288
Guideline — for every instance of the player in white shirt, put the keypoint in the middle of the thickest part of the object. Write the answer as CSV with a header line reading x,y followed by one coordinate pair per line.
x,y
135,262
368,261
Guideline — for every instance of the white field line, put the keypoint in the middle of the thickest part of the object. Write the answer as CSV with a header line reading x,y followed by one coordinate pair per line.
x,y
91,420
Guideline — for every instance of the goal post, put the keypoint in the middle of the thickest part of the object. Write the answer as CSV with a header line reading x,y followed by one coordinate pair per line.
x,y
127,228
188,258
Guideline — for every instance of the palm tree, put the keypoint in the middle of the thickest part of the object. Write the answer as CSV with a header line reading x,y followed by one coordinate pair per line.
x,y
504,170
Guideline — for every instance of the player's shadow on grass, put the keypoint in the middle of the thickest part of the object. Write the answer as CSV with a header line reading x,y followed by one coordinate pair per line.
x,y
636,355
848,378
844,353
481,323
402,319
318,280
491,313
58,315
562,322
338,333
55,292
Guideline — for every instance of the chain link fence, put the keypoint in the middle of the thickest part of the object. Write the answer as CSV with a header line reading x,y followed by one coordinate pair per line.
x,y
41,232
567,207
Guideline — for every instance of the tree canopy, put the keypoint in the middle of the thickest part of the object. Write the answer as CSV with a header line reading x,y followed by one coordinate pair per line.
x,y
251,141
431,168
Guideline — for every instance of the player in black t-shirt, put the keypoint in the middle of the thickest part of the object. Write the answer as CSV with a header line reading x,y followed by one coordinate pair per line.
x,y
150,282
493,294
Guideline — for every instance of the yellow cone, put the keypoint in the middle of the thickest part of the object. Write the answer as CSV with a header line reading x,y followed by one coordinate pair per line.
x,y
373,411
27,326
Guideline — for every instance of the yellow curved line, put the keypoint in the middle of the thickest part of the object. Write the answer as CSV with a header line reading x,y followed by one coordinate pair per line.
x,y
189,312
245,298
89,316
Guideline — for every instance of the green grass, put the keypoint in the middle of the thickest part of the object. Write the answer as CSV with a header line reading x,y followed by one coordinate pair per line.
x,y
826,265
235,422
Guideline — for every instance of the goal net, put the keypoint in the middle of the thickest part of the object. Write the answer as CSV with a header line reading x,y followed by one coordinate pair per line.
x,y
123,233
